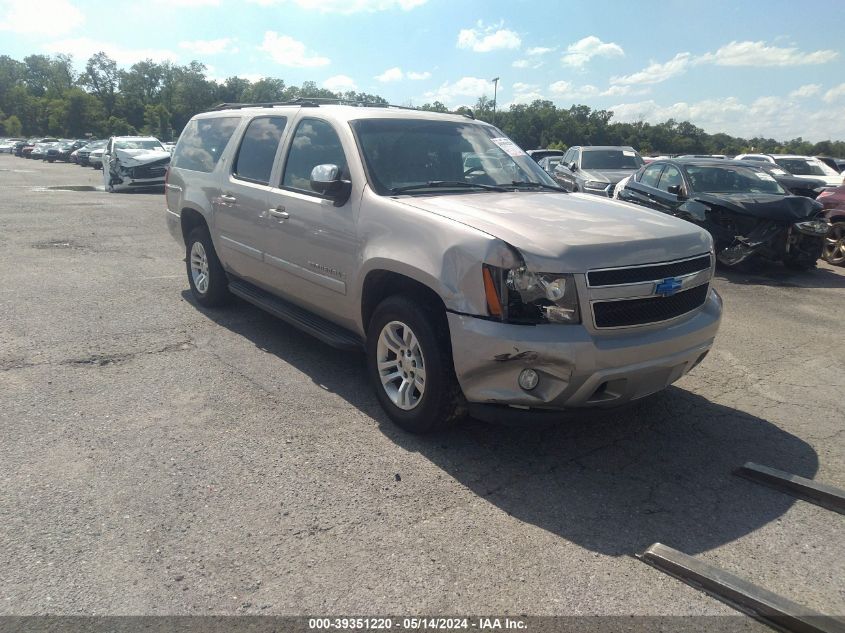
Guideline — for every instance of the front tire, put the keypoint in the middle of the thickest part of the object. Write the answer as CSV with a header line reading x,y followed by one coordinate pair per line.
x,y
206,276
409,360
834,244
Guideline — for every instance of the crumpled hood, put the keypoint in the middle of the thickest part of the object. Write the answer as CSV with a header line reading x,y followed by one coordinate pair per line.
x,y
135,157
611,176
559,232
766,206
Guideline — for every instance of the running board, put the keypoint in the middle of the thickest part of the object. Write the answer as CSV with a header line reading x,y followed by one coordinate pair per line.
x,y
763,605
316,326
806,489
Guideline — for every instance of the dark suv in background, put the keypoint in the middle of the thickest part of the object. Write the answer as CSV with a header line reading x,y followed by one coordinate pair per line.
x,y
596,169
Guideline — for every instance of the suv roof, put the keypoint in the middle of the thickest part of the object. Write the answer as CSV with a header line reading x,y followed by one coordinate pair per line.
x,y
339,111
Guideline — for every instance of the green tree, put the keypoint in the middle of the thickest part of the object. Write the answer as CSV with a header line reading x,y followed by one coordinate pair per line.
x,y
12,126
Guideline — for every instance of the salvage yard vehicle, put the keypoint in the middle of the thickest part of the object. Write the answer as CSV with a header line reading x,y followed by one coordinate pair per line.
x,y
596,169
808,187
134,162
489,292
748,213
799,166
540,154
84,152
833,201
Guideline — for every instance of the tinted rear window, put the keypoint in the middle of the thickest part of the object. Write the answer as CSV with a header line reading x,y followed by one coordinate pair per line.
x,y
202,142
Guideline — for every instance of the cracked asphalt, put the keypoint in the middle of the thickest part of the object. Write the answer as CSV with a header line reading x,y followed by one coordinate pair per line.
x,y
158,458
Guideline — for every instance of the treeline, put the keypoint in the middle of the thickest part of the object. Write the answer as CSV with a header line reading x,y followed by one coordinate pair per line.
x,y
45,95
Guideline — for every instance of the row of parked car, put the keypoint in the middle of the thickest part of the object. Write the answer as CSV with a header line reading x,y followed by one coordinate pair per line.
x,y
756,206
127,162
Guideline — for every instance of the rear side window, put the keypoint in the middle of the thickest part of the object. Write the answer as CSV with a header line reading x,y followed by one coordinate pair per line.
x,y
202,142
651,175
315,143
257,152
671,177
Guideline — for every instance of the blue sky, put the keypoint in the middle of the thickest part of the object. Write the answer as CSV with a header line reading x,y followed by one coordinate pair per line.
x,y
745,67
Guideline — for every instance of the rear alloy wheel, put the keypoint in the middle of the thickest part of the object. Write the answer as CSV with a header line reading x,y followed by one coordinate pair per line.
x,y
409,359
206,276
834,244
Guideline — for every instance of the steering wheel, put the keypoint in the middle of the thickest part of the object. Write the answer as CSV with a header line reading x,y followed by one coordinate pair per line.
x,y
472,170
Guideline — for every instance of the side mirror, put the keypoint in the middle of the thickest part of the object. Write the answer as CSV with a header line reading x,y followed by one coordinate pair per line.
x,y
325,179
572,166
677,190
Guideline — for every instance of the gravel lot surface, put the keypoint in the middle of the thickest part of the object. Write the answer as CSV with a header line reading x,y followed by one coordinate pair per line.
x,y
158,458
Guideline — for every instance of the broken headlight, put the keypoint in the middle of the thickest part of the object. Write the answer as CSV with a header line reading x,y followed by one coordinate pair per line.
x,y
523,296
813,227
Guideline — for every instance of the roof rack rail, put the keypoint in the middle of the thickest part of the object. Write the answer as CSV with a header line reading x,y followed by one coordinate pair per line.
x,y
314,102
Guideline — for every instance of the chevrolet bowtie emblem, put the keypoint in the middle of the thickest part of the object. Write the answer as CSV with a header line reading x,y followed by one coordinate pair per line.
x,y
668,287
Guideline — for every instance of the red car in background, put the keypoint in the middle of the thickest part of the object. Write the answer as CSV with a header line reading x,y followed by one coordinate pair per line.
x,y
834,210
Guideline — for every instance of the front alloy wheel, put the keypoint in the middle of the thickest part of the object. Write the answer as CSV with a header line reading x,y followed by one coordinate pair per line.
x,y
834,244
401,365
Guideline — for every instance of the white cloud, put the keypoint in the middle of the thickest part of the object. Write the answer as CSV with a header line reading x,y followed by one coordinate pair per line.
x,y
287,51
733,54
582,51
655,72
770,117
346,6
540,50
759,54
210,47
339,83
527,63
40,17
524,93
835,93
188,4
807,90
83,47
391,74
483,39
472,87
396,74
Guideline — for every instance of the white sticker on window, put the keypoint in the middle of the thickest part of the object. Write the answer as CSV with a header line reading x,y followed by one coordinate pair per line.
x,y
627,152
764,176
508,146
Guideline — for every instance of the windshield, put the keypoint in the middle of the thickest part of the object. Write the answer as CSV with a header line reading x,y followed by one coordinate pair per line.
x,y
610,159
407,152
805,167
138,144
731,179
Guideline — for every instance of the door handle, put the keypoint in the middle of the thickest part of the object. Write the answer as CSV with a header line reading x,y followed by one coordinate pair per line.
x,y
279,212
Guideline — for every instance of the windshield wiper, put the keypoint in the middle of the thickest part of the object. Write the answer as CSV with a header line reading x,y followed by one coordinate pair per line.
x,y
537,185
446,183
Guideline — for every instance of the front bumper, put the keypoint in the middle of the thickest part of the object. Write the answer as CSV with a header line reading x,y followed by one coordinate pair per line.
x,y
576,368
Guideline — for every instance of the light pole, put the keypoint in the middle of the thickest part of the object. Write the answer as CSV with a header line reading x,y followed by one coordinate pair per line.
x,y
495,81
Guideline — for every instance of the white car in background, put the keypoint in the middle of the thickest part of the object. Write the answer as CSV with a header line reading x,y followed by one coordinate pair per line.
x,y
805,167
133,162
95,158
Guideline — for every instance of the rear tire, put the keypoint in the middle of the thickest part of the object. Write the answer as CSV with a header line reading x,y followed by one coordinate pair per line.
x,y
206,276
409,360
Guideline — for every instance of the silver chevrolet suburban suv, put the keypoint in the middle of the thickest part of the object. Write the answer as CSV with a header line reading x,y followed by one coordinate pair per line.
x,y
473,283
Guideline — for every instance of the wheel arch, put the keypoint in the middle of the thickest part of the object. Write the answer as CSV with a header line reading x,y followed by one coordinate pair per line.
x,y
381,283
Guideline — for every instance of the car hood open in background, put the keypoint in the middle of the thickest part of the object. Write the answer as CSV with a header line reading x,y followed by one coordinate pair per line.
x,y
558,232
135,157
764,206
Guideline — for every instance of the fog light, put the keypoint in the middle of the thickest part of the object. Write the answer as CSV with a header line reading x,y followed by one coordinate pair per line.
x,y
528,379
